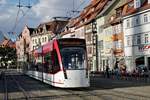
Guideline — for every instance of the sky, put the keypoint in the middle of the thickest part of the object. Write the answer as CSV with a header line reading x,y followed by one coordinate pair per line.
x,y
13,19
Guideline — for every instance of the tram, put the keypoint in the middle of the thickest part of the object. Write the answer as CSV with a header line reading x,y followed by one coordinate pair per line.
x,y
61,63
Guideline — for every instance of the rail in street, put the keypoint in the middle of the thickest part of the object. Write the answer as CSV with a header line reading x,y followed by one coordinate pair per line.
x,y
9,80
18,86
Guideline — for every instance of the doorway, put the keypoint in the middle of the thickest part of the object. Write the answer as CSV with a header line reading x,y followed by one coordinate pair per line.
x,y
140,61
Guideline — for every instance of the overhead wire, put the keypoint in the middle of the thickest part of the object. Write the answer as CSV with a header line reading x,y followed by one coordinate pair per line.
x,y
16,20
73,14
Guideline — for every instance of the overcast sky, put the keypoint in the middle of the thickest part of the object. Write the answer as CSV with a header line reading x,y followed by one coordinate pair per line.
x,y
12,19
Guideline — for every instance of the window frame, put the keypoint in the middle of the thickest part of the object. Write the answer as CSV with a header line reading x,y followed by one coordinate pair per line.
x,y
138,41
146,38
145,18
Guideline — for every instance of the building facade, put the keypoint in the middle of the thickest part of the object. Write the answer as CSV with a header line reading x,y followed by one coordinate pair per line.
x,y
40,37
110,35
136,22
24,46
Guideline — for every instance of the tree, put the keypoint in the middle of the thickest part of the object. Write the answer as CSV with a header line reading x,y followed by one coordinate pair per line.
x,y
7,54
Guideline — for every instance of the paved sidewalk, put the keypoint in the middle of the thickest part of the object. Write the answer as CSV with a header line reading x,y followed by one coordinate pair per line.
x,y
134,87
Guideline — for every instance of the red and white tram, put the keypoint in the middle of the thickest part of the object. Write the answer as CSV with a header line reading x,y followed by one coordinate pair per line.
x,y
61,63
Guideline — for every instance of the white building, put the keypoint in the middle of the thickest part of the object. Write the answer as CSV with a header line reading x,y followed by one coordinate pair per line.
x,y
40,37
24,46
136,23
46,31
109,35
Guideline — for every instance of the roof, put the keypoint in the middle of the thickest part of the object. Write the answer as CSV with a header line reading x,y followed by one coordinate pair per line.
x,y
5,42
8,42
31,30
90,12
129,9
106,7
55,26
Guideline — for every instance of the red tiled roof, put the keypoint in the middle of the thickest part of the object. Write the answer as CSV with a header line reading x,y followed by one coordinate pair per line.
x,y
91,12
11,44
127,10
97,10
54,26
5,42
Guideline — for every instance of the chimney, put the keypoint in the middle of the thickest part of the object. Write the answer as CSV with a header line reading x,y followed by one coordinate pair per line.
x,y
137,3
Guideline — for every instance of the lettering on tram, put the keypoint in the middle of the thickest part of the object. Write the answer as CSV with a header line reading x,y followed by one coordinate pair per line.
x,y
61,63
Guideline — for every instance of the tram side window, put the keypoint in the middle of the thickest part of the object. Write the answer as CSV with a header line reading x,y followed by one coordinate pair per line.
x,y
48,63
55,63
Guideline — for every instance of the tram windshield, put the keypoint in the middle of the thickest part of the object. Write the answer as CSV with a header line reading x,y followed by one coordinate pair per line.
x,y
73,57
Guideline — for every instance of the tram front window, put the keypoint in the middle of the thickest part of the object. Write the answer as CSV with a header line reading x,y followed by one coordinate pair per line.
x,y
73,57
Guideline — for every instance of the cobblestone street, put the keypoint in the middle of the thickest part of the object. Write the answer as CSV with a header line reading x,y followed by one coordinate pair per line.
x,y
25,88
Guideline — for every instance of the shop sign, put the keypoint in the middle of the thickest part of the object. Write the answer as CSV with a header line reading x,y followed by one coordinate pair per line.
x,y
144,47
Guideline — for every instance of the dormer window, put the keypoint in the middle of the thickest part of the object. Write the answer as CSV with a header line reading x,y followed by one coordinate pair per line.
x,y
119,12
137,3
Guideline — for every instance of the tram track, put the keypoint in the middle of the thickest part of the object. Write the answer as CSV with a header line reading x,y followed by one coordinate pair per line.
x,y
5,86
21,91
25,93
41,91
82,95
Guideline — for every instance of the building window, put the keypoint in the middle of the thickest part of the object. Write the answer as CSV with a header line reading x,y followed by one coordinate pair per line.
x,y
89,37
49,37
138,39
45,39
42,39
137,20
128,41
101,44
137,3
119,12
39,40
100,29
145,18
146,38
35,41
128,23
89,50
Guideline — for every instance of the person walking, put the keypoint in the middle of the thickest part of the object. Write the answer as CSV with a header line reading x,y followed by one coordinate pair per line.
x,y
107,71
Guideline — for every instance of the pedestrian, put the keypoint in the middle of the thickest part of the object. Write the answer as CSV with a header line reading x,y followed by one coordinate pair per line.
x,y
123,72
107,71
117,72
